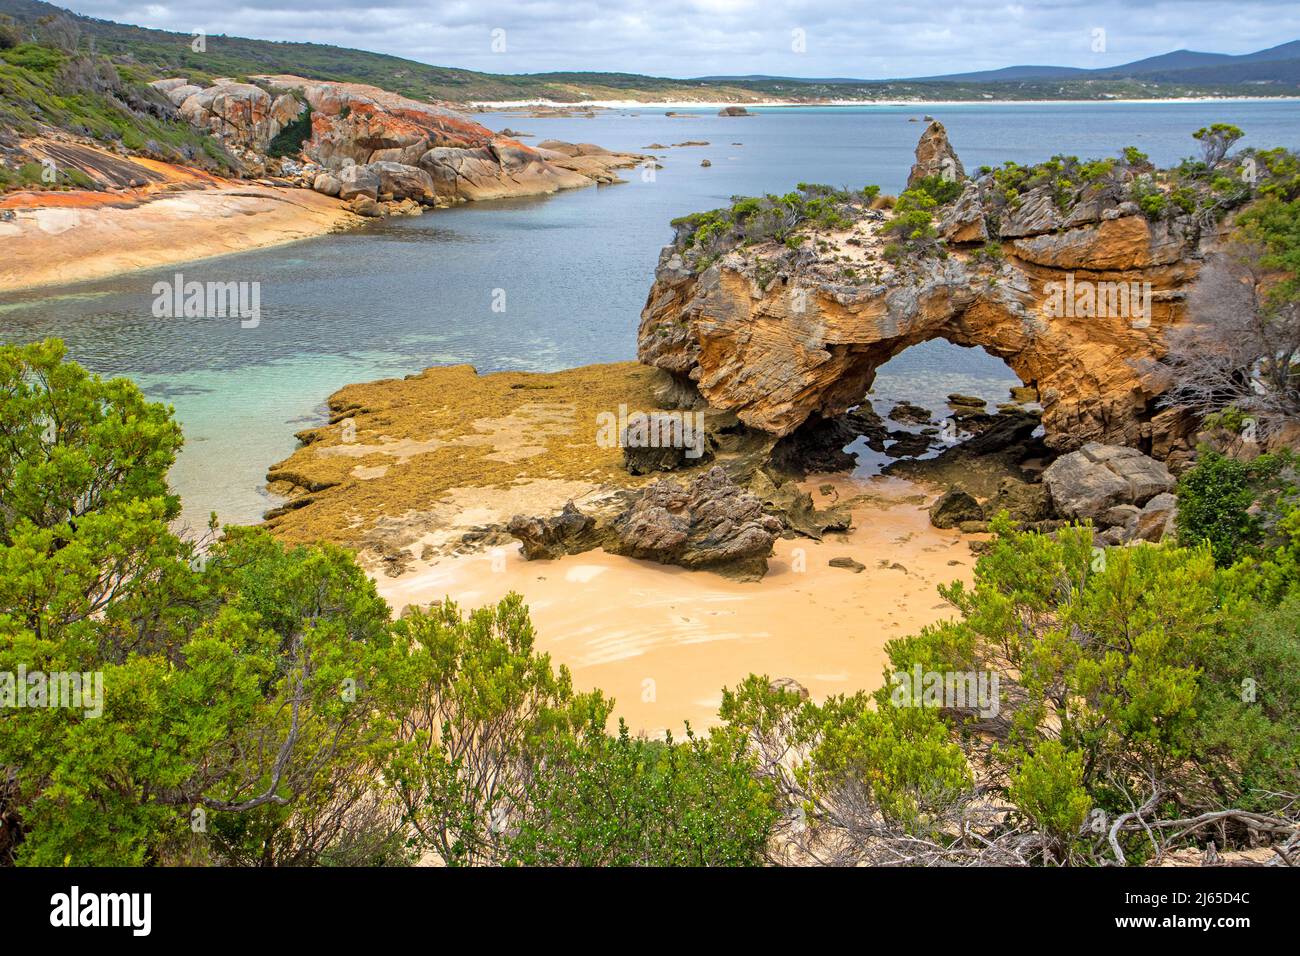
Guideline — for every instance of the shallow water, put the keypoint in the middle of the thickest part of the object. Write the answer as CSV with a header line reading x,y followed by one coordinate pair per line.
x,y
567,274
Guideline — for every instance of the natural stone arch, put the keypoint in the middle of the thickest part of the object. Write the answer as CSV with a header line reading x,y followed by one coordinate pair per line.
x,y
779,350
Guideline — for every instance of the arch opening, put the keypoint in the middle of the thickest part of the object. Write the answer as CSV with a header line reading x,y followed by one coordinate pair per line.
x,y
932,397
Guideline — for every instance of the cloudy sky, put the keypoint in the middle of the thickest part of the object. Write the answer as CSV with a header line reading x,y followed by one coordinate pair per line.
x,y
840,38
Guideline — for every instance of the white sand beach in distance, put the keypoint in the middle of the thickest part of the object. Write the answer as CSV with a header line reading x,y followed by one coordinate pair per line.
x,y
773,104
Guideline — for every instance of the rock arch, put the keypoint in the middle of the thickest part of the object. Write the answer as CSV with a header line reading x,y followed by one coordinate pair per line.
x,y
780,349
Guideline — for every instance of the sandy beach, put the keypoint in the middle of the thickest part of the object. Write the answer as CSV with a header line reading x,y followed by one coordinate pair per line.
x,y
664,642
64,237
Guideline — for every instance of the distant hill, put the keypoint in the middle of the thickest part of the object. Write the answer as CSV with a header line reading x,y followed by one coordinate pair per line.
x,y
158,53
1279,64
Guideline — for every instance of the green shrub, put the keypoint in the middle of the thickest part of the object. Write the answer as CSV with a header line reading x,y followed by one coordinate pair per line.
x,y
33,56
1215,500
941,190
288,142
10,34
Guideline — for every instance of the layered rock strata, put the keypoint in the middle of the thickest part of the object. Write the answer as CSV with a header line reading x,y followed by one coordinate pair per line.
x,y
1075,297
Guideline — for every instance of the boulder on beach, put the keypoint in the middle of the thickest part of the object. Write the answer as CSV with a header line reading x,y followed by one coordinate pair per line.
x,y
403,182
712,523
954,507
356,181
1089,482
709,524
327,184
552,537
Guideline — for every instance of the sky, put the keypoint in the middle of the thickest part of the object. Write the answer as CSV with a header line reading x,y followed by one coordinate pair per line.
x,y
869,39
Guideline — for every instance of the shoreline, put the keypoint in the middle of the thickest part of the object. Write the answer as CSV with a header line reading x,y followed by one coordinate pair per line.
x,y
664,641
71,237
504,105
422,489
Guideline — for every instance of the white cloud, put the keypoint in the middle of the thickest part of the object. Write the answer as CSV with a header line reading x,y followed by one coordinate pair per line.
x,y
706,37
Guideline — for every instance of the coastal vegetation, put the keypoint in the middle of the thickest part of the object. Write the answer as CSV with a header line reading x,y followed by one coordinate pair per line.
x,y
754,219
54,78
257,702
261,706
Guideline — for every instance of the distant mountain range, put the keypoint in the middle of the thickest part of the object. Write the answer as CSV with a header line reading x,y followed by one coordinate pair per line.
x,y
1271,72
1276,64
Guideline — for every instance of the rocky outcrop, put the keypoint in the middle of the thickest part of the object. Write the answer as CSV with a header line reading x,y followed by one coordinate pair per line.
x,y
357,181
243,116
569,532
965,221
710,524
1157,519
1076,300
425,152
953,508
1095,480
935,157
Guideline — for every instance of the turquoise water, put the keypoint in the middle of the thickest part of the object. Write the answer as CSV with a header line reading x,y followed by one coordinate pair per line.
x,y
571,270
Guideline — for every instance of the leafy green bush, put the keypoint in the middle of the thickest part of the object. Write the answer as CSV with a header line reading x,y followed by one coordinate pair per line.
x,y
1215,500
626,801
756,219
941,190
288,142
1047,785
33,56
913,220
10,34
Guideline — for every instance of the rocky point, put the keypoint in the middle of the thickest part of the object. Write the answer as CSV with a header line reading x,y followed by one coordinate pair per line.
x,y
787,331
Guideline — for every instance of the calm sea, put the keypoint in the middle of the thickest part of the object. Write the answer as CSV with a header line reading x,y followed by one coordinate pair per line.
x,y
538,284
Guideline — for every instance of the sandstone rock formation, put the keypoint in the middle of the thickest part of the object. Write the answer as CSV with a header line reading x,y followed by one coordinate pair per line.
x,y
709,524
935,156
1157,518
953,508
569,532
1091,482
1075,299
357,181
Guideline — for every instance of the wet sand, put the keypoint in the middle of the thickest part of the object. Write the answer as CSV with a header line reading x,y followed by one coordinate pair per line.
x,y
664,641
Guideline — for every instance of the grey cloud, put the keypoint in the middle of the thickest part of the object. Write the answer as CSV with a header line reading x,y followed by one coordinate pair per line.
x,y
702,37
